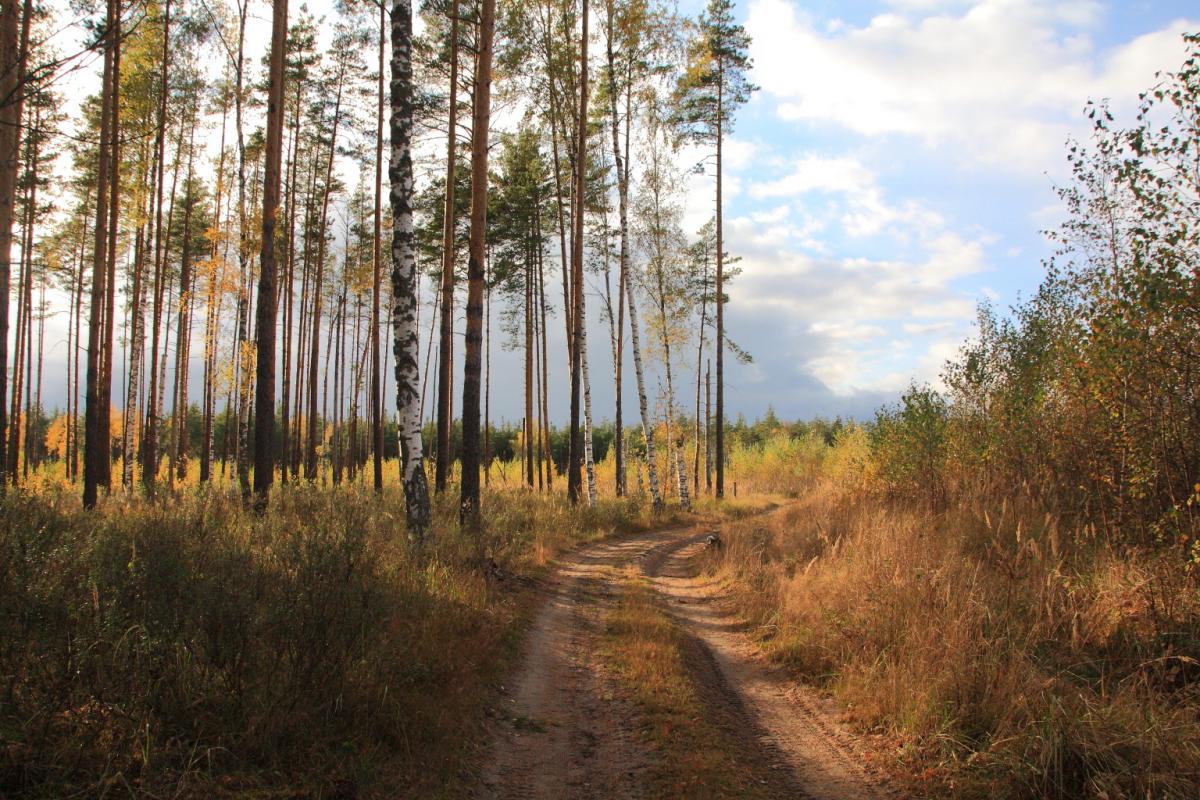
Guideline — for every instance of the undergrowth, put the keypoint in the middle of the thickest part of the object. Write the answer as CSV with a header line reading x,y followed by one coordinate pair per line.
x,y
192,649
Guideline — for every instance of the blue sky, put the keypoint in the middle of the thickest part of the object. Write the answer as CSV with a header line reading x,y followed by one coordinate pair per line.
x,y
896,168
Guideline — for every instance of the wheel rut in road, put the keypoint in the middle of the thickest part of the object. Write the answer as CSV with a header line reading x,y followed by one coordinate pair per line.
x,y
564,731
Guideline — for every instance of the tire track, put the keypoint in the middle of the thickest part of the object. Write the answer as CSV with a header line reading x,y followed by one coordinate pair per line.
x,y
563,732
789,721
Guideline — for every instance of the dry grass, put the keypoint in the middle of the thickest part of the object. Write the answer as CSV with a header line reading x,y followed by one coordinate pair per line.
x,y
190,649
1005,662
694,756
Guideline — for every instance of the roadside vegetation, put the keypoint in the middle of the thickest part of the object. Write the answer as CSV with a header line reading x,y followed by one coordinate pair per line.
x,y
1005,575
192,648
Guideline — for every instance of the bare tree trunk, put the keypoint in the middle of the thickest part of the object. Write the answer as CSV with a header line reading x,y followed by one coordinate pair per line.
x,y
73,356
137,345
487,376
93,450
25,350
244,354
182,324
545,413
310,468
376,275
469,503
589,462
150,431
699,363
35,456
446,347
720,289
268,281
621,166
104,461
404,271
14,49
647,423
576,455
708,482
529,373
13,456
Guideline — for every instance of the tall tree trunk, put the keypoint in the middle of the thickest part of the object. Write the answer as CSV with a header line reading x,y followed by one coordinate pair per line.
x,y
73,356
446,347
575,451
548,460
620,166
211,314
487,374
589,463
35,447
554,114
12,458
647,422
244,355
268,290
376,274
93,449
701,429
153,410
720,289
136,351
104,462
708,478
469,503
14,49
404,272
182,322
310,468
19,446
528,433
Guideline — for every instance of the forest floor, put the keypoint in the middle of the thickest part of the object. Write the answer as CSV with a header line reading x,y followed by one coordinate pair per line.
x,y
638,680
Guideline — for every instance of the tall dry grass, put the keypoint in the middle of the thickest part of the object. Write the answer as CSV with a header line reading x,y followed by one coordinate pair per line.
x,y
1004,655
191,649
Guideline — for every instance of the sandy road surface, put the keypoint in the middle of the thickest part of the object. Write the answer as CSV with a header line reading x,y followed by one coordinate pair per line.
x,y
564,731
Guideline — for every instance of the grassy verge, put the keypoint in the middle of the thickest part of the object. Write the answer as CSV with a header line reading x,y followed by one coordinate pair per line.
x,y
193,650
695,756
1002,660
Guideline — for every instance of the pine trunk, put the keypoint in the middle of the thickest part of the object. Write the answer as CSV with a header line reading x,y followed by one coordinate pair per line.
x,y
93,451
376,276
442,466
469,502
576,449
268,280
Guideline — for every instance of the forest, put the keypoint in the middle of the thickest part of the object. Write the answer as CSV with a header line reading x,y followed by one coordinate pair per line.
x,y
264,532
236,215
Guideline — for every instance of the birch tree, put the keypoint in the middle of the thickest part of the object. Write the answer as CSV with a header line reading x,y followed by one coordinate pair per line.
x,y
404,275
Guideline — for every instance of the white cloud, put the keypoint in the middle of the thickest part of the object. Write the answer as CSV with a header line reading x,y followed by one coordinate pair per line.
x,y
987,82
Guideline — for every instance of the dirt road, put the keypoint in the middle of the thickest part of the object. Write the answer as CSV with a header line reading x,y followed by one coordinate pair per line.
x,y
563,730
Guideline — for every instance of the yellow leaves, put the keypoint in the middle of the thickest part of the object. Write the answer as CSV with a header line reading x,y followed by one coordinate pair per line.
x,y
56,437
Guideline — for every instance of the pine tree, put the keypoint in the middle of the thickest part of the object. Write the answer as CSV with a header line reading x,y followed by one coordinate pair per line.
x,y
469,497
714,85
268,290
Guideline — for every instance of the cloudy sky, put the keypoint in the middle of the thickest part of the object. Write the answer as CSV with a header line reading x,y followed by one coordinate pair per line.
x,y
894,170
896,167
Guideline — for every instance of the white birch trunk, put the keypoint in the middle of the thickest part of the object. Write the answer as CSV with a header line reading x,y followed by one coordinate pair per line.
x,y
589,463
647,423
406,346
